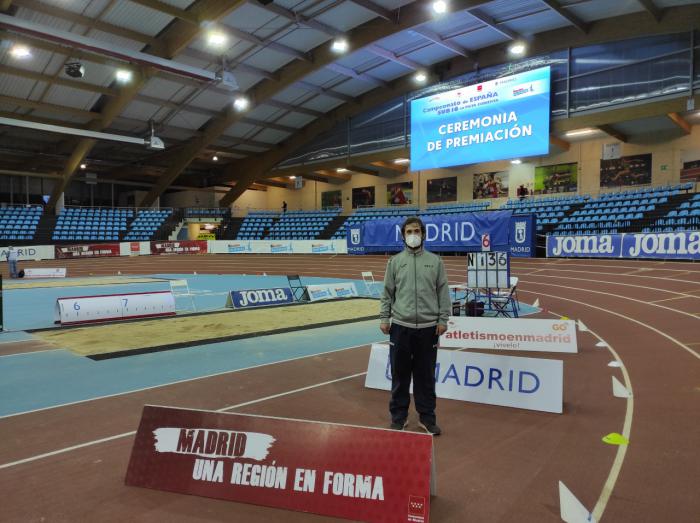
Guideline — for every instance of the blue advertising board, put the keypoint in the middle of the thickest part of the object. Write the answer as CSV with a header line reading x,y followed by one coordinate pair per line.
x,y
681,245
260,297
503,118
522,236
451,233
353,235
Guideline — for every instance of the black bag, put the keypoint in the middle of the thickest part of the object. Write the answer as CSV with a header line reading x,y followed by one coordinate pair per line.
x,y
475,308
456,308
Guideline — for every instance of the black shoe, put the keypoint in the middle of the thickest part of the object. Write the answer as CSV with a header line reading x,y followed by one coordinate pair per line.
x,y
431,428
398,425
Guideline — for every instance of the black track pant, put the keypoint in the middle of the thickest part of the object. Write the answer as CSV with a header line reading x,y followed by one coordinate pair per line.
x,y
412,353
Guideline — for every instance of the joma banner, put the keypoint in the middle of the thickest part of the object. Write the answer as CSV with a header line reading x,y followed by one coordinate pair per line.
x,y
680,245
88,250
179,247
334,470
518,334
259,298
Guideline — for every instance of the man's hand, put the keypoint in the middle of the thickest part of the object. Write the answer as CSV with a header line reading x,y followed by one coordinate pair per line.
x,y
440,329
385,327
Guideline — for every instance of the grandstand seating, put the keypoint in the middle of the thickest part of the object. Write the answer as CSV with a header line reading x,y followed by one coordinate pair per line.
x,y
255,223
19,222
687,216
301,225
91,224
616,212
147,222
549,210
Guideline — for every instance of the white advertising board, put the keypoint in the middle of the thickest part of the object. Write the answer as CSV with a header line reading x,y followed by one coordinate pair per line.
x,y
45,273
515,334
90,309
277,247
507,381
488,270
31,252
329,291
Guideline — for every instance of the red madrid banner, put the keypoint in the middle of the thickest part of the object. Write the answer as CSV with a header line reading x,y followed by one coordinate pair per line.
x,y
87,250
336,470
179,247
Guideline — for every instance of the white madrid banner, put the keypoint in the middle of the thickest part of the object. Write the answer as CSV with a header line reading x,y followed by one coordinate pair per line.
x,y
516,334
508,381
329,291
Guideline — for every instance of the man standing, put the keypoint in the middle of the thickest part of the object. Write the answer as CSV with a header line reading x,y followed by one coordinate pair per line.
x,y
12,261
415,307
284,206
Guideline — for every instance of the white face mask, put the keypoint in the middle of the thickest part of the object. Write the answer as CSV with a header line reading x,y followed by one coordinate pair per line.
x,y
413,241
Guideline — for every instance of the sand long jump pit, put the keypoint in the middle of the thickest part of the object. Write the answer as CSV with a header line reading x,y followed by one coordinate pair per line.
x,y
120,339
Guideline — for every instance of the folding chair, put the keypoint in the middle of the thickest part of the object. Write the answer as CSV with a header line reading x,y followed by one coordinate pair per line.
x,y
368,279
504,302
298,289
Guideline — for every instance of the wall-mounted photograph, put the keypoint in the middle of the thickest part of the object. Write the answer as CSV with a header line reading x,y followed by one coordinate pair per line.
x,y
399,193
551,179
362,197
491,185
331,199
442,190
628,170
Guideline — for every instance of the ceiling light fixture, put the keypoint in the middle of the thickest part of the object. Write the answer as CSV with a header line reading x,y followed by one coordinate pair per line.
x,y
420,77
292,177
580,132
215,158
83,166
241,103
216,39
341,170
402,161
440,7
20,52
124,76
517,49
339,45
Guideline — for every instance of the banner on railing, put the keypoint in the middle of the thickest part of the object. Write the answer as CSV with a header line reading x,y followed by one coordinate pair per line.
x,y
277,247
459,232
522,236
681,245
30,252
88,250
179,247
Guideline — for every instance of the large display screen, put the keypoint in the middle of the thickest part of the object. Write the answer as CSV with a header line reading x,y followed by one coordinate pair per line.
x,y
503,118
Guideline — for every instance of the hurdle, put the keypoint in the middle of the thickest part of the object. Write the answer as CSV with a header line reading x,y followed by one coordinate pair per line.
x,y
181,288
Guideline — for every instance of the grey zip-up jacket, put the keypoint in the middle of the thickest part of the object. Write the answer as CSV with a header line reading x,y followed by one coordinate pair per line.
x,y
416,293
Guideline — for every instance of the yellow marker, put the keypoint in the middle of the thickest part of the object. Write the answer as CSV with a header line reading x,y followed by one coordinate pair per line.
x,y
615,439
564,318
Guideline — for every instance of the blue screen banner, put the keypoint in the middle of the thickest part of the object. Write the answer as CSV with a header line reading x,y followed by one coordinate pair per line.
x,y
681,245
450,233
522,236
259,297
503,118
